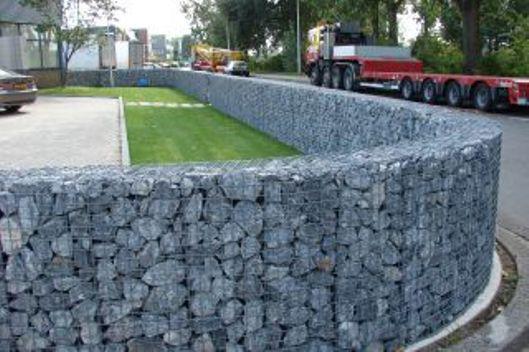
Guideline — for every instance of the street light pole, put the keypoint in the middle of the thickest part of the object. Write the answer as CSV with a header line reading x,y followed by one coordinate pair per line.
x,y
298,37
110,56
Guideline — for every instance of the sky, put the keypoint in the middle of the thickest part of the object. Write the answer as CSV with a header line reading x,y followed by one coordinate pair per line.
x,y
158,16
166,17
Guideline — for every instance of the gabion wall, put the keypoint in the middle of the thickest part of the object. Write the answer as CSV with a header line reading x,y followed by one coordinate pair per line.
x,y
379,236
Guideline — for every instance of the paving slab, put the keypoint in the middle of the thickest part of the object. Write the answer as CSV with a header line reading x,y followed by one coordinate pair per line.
x,y
61,131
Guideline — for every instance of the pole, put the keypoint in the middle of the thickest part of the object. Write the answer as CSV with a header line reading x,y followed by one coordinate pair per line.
x,y
298,37
228,33
110,61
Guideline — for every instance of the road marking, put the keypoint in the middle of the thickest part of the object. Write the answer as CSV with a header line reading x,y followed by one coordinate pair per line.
x,y
166,105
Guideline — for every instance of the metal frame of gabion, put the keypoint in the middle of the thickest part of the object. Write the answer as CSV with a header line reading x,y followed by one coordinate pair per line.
x,y
340,249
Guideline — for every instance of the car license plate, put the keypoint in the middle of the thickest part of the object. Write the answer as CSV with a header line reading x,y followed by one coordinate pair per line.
x,y
20,86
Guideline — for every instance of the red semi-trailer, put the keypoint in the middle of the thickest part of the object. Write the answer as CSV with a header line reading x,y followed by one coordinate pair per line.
x,y
340,56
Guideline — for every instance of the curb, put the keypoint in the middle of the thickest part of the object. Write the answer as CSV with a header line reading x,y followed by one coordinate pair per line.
x,y
508,331
123,139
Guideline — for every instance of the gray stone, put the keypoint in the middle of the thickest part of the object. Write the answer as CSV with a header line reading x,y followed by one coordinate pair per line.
x,y
149,254
241,186
296,336
145,345
165,273
348,335
279,237
28,214
106,270
32,341
135,290
250,247
41,323
7,203
177,337
166,299
104,250
130,239
203,344
85,311
150,229
163,208
231,312
231,233
18,323
193,209
63,245
11,236
112,312
91,333
249,216
203,304
253,316
61,318
154,325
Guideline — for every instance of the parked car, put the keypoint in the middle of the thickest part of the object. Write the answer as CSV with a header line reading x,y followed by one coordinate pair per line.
x,y
239,68
16,90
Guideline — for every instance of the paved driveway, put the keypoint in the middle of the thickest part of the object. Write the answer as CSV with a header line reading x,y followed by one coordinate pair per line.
x,y
58,131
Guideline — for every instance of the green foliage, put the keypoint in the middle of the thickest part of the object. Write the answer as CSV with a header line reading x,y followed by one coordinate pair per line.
x,y
512,60
272,63
438,55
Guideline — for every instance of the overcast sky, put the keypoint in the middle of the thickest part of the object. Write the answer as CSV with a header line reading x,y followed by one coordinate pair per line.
x,y
165,17
158,16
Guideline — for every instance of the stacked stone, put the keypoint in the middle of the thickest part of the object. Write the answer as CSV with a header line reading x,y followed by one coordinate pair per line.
x,y
337,251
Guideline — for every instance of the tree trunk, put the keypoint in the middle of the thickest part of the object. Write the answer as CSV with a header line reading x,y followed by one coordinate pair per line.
x,y
393,10
471,40
375,18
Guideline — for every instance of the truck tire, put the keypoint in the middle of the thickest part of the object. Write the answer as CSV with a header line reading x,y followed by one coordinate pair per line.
x,y
453,94
350,78
407,91
482,97
13,108
315,76
429,92
326,79
337,78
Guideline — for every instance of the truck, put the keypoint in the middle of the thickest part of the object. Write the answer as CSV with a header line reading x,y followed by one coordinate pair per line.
x,y
211,59
341,56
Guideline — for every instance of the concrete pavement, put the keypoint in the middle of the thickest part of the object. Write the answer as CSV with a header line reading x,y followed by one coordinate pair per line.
x,y
58,131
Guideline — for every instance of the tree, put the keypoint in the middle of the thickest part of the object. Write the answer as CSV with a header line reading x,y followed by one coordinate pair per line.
x,y
69,21
470,14
428,11
393,7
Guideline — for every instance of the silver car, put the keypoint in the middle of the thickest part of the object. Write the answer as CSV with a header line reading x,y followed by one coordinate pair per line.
x,y
16,90
239,68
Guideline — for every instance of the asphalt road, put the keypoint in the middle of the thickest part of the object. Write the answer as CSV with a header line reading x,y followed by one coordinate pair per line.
x,y
57,131
513,212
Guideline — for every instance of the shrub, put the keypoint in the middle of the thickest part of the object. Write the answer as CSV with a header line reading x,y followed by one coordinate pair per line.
x,y
273,63
511,60
438,55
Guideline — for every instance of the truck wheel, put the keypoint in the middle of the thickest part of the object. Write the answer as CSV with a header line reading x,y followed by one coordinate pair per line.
x,y
428,92
350,78
315,76
453,94
406,89
13,108
337,78
482,97
327,77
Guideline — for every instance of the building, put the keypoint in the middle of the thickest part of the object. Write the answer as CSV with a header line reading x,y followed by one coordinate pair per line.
x,y
22,46
159,47
142,36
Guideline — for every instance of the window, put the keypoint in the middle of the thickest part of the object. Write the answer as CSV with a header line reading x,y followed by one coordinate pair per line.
x,y
8,30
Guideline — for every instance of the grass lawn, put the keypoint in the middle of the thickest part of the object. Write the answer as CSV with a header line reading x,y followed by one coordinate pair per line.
x,y
163,135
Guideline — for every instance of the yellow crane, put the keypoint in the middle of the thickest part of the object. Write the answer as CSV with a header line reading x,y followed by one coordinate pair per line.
x,y
209,58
